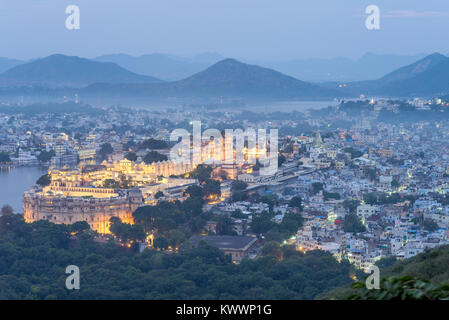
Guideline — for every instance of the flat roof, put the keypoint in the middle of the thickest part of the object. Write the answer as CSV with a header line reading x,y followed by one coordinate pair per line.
x,y
225,242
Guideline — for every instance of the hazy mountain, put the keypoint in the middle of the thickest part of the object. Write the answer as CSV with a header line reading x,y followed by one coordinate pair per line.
x,y
229,78
232,77
171,67
370,66
427,77
61,70
163,66
6,63
414,69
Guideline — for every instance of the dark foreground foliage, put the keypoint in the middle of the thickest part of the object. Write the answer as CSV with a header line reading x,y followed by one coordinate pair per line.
x,y
401,288
422,277
33,259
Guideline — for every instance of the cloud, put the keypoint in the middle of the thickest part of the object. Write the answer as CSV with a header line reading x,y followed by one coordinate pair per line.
x,y
415,14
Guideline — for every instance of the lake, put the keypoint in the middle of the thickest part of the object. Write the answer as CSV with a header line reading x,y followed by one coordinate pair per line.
x,y
13,182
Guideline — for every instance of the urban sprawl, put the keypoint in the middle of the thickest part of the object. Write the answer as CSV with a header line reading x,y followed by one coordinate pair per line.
x,y
357,185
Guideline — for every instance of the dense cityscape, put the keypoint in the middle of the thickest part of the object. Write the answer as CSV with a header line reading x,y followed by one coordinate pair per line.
x,y
363,189
224,158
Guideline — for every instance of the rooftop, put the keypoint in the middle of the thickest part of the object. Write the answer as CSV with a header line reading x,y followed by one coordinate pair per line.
x,y
225,242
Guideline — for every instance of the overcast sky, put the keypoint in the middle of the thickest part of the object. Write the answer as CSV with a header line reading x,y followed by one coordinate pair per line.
x,y
252,29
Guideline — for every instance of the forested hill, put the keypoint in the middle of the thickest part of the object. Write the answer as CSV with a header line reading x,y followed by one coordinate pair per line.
x,y
424,276
33,259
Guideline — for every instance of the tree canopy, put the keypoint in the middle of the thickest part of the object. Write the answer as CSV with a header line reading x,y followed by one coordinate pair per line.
x,y
33,259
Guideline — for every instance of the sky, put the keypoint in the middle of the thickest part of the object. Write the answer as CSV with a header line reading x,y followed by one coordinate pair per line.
x,y
253,29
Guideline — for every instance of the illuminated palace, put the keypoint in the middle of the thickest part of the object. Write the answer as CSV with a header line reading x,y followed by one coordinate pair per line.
x,y
83,193
68,205
79,194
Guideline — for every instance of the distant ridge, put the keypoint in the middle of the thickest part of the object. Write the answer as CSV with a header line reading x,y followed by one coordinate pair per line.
x,y
429,76
163,66
370,66
414,69
62,70
6,63
228,77
426,77
171,67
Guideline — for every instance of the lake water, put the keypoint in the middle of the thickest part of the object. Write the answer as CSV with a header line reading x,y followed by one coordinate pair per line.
x,y
289,106
13,182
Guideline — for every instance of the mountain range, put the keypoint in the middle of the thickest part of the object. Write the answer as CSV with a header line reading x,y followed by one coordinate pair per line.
x,y
230,78
59,70
428,76
163,66
368,67
425,77
170,67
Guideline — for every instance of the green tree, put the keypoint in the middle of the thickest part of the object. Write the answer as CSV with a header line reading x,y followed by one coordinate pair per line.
x,y
44,180
370,198
296,202
331,195
317,187
161,243
354,153
136,232
153,144
239,196
281,160
177,237
272,248
238,185
158,195
195,191
353,224
402,288
291,223
225,226
202,173
46,156
79,227
146,216
6,210
351,205
430,225
131,156
370,173
105,150
212,188
262,223
238,214
395,184
154,156
4,157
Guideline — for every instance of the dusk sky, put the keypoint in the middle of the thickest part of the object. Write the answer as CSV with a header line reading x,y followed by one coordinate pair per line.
x,y
252,29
